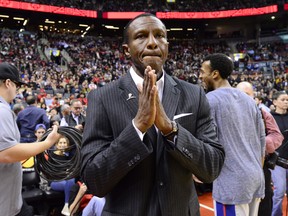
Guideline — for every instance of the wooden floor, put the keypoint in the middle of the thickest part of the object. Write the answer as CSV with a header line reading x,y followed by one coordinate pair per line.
x,y
206,204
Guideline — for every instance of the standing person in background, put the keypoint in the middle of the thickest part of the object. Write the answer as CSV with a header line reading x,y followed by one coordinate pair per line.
x,y
76,118
240,185
11,150
164,126
279,174
273,140
29,118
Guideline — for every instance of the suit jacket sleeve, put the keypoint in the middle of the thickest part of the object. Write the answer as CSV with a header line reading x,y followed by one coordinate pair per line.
x,y
198,149
106,159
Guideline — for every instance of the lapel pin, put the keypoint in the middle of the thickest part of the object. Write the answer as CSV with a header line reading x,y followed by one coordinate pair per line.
x,y
130,96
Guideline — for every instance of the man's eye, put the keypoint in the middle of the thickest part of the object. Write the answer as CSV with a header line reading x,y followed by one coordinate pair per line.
x,y
160,36
139,36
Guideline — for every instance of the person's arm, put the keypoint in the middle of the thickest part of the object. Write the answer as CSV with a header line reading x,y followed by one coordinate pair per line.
x,y
274,137
198,149
22,151
109,143
76,203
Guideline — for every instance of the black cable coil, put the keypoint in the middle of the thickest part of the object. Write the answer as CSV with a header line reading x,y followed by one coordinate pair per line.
x,y
54,169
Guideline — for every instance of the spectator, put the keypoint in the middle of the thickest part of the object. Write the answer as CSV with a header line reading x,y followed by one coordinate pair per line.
x,y
53,116
76,118
61,154
65,110
81,201
259,101
279,174
17,108
40,129
29,118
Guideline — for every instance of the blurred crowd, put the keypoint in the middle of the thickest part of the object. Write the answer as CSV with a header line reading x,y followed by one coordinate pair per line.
x,y
96,61
158,5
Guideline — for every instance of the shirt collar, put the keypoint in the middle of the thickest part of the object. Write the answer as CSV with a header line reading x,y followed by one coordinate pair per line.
x,y
74,116
138,80
4,101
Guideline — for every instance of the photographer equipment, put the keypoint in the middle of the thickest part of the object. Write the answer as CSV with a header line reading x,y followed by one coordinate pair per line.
x,y
273,159
54,169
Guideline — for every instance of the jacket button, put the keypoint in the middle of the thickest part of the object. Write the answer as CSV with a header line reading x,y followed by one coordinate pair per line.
x,y
137,157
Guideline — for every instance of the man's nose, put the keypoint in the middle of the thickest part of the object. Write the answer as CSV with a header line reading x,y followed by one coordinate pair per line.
x,y
152,43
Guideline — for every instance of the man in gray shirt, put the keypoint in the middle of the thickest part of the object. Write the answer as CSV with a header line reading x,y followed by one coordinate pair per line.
x,y
240,185
11,151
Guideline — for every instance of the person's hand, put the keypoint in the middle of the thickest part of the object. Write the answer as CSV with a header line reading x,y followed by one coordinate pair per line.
x,y
145,116
54,136
79,127
82,189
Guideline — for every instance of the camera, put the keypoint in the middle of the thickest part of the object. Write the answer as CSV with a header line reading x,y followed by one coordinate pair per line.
x,y
273,159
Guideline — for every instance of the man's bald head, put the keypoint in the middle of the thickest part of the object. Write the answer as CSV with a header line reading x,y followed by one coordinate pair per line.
x,y
246,87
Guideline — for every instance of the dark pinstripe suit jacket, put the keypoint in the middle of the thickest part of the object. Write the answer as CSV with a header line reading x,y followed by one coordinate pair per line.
x,y
152,177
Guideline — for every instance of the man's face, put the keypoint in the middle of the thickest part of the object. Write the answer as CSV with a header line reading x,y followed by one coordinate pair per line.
x,y
77,108
206,77
147,44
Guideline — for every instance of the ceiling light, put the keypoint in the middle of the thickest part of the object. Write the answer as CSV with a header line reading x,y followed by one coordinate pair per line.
x,y
18,18
48,21
4,16
25,22
176,29
111,27
83,25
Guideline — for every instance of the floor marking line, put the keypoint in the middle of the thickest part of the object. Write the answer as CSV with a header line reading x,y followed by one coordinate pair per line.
x,y
206,207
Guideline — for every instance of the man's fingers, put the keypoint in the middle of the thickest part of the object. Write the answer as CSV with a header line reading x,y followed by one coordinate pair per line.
x,y
54,128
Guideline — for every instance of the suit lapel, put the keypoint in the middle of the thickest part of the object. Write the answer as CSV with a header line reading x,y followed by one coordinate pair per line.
x,y
128,89
171,96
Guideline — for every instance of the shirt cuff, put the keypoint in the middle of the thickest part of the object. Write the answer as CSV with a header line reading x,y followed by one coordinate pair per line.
x,y
140,134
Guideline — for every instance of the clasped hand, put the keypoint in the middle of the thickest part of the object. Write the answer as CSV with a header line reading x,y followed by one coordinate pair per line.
x,y
150,109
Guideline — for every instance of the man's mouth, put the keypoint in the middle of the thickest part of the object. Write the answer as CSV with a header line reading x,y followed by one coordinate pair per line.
x,y
151,56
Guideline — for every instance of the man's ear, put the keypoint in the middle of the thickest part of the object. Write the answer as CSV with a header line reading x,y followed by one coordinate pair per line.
x,y
215,74
126,50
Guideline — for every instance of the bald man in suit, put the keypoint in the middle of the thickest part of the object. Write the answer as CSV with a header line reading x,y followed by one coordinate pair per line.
x,y
148,132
